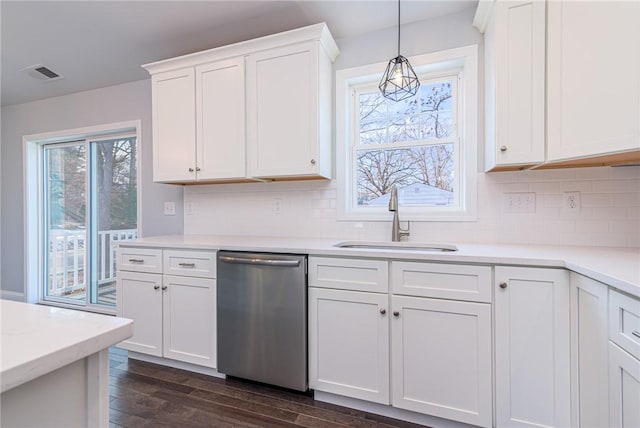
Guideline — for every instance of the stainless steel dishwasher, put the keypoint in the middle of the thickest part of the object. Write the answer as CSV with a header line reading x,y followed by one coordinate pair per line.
x,y
262,317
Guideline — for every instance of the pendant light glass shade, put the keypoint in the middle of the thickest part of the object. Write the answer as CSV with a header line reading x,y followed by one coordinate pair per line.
x,y
399,81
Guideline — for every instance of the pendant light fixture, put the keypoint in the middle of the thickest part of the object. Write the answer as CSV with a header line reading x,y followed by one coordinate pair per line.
x,y
399,80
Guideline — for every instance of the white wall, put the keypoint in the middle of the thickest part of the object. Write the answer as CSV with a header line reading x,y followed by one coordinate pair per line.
x,y
131,101
610,196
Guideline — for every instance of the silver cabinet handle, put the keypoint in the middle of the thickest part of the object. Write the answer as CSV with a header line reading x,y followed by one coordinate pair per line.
x,y
190,169
156,287
396,314
264,262
164,287
197,169
636,333
187,264
503,148
503,285
313,161
383,311
136,260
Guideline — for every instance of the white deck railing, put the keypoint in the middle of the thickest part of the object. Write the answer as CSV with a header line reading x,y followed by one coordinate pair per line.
x,y
67,258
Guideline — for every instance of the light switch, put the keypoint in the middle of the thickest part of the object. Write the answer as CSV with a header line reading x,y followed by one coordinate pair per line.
x,y
169,208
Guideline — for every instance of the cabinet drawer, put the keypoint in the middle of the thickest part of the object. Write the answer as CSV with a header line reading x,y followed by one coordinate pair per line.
x,y
349,274
190,263
147,260
458,282
624,322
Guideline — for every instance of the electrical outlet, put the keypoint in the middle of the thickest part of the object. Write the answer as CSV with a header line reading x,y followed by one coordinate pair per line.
x,y
519,203
169,208
571,202
277,205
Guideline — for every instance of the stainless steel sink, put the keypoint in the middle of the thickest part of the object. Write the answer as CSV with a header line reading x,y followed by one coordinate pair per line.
x,y
408,246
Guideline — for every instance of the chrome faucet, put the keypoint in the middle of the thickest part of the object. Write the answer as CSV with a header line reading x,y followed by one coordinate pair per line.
x,y
396,231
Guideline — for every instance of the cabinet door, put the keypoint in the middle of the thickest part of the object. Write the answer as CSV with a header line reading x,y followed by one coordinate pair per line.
x,y
349,343
174,125
593,91
189,326
532,330
516,82
441,358
589,350
624,388
282,111
220,120
139,298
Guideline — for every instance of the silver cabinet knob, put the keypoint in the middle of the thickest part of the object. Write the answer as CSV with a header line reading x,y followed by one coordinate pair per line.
x,y
197,169
383,311
396,314
164,288
503,285
503,148
156,287
313,161
190,169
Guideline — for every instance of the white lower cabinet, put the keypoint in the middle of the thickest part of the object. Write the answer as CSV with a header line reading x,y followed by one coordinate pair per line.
x,y
624,388
532,347
589,352
435,353
349,343
189,320
174,315
441,358
140,299
624,360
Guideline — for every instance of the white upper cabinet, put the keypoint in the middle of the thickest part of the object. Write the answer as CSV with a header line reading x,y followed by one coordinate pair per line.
x,y
593,92
285,95
174,132
206,105
220,130
589,114
515,79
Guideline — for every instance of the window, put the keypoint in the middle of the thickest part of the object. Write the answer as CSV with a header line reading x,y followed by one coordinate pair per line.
x,y
424,145
84,201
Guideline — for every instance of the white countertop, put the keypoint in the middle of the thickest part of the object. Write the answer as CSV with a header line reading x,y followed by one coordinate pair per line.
x,y
616,267
36,339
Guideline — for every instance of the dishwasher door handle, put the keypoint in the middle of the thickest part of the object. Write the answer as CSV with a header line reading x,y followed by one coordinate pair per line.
x,y
263,262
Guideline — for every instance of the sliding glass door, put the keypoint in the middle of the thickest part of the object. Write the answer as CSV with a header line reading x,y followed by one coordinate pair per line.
x,y
90,203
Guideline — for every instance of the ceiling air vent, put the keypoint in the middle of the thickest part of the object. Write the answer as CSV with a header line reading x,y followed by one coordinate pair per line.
x,y
41,72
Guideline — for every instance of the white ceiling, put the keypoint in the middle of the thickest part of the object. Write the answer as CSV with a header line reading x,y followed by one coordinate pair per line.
x,y
94,44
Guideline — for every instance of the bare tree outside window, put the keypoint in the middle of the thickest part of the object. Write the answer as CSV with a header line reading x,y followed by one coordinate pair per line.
x,y
406,143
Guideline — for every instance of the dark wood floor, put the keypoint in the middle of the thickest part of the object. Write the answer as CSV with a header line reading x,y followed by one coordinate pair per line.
x,y
148,395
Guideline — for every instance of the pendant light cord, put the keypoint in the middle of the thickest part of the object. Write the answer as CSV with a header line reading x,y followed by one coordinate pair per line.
x,y
398,27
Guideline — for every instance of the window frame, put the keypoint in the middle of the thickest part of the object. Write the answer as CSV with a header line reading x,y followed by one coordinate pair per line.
x,y
462,62
34,207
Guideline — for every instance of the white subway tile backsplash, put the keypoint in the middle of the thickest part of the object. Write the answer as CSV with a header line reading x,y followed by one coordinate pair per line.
x,y
610,186
587,227
552,200
610,239
593,173
595,200
629,199
609,216
632,172
610,213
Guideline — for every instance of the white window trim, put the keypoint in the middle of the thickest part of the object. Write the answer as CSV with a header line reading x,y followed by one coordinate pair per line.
x,y
464,59
33,179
